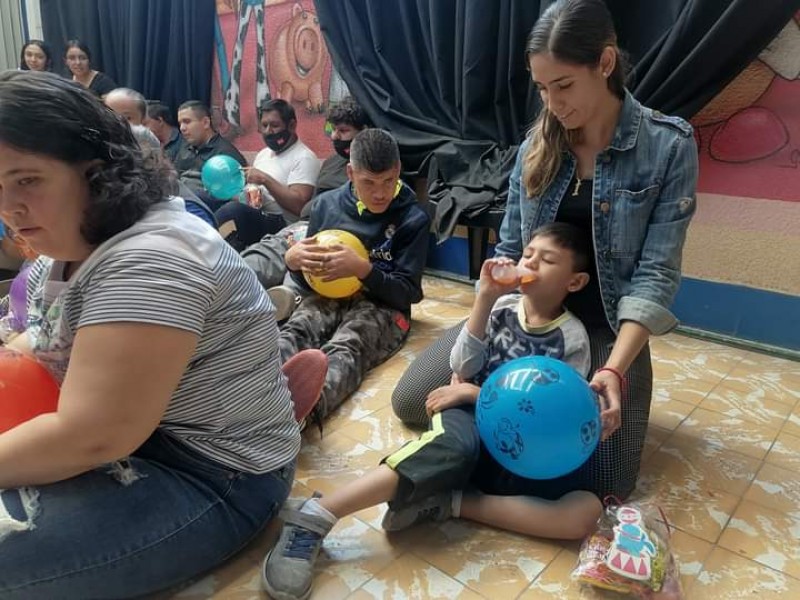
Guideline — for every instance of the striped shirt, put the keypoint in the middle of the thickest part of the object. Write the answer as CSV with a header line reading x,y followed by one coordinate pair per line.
x,y
171,269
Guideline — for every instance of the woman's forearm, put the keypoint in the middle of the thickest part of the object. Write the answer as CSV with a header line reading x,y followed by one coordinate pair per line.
x,y
46,450
630,341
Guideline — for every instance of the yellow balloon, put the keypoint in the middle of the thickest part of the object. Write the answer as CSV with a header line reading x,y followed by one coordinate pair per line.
x,y
344,287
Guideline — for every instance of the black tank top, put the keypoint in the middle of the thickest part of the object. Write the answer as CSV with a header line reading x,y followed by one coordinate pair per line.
x,y
576,209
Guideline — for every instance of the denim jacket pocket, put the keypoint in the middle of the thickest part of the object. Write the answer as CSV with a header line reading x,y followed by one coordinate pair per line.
x,y
630,218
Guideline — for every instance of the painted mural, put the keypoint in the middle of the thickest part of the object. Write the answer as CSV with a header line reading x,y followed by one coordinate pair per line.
x,y
747,229
272,49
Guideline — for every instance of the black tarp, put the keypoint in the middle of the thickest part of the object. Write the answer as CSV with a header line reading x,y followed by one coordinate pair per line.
x,y
162,48
438,72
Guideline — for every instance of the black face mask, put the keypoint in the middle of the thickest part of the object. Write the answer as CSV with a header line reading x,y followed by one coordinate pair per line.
x,y
277,141
342,148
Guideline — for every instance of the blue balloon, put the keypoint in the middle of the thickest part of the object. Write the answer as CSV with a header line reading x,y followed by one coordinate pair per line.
x,y
223,177
538,417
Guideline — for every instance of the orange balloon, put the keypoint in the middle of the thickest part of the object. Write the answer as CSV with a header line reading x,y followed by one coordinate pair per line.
x,y
344,287
27,389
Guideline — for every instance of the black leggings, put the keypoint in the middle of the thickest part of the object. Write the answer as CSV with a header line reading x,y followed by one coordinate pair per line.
x,y
614,466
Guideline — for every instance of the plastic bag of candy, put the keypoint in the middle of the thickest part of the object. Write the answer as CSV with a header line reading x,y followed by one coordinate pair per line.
x,y
630,555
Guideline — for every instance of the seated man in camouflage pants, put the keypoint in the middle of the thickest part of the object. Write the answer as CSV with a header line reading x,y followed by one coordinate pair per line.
x,y
360,332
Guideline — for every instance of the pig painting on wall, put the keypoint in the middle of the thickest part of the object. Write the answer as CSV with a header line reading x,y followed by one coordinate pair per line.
x,y
276,50
297,60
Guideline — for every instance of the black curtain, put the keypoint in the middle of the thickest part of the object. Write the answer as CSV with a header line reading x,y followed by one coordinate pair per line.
x,y
162,48
432,71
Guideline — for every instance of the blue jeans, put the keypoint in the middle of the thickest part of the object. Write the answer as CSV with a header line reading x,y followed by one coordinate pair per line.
x,y
158,519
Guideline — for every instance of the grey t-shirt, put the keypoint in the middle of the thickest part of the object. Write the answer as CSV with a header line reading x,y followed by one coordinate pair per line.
x,y
172,269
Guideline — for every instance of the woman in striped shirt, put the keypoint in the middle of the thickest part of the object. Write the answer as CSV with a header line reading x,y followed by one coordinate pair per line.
x,y
174,442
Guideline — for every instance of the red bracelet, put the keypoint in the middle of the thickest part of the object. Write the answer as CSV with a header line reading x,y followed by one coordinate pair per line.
x,y
616,372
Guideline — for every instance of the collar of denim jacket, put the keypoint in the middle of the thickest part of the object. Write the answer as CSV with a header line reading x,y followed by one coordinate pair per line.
x,y
628,126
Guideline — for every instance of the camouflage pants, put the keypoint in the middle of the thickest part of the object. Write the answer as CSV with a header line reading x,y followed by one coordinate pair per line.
x,y
356,333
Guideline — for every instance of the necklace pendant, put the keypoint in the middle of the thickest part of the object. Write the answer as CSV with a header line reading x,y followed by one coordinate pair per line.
x,y
577,187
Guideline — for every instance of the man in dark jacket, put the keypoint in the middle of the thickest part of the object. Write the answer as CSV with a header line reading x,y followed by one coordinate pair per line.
x,y
362,331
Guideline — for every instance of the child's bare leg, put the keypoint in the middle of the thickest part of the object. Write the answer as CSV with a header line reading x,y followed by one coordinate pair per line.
x,y
573,516
379,485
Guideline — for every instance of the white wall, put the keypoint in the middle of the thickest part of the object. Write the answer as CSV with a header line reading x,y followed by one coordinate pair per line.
x,y
10,34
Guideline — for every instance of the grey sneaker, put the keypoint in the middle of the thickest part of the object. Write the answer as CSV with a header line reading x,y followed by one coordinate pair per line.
x,y
434,508
288,569
285,300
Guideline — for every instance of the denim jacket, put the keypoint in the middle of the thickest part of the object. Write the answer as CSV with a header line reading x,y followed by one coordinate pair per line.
x,y
642,201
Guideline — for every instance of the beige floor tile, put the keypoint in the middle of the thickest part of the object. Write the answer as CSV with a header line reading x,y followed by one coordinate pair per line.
x,y
492,562
785,452
690,392
673,375
754,406
655,437
728,576
556,583
688,504
333,461
699,465
666,412
411,578
766,536
352,554
690,553
776,488
777,385
767,362
792,425
364,402
730,432
380,431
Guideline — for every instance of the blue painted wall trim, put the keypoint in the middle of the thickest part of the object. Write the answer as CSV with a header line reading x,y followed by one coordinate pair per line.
x,y
734,310
741,312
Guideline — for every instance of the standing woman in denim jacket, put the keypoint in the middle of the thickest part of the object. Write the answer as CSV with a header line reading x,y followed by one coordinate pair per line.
x,y
626,175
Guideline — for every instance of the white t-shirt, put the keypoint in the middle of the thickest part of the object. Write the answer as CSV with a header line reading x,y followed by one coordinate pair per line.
x,y
171,268
296,165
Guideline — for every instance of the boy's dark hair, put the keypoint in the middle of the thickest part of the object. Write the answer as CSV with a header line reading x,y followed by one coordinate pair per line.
x,y
573,239
348,112
282,107
156,110
374,150
199,109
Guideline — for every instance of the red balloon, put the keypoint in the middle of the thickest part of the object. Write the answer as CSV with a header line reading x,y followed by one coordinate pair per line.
x,y
27,389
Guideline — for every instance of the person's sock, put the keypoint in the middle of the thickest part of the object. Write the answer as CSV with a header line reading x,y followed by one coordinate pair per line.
x,y
313,507
455,503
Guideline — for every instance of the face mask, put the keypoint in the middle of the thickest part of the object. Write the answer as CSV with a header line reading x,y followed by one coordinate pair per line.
x,y
277,141
342,148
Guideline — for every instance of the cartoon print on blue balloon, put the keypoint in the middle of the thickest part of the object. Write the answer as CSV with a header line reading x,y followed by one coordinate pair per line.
x,y
589,434
508,440
525,405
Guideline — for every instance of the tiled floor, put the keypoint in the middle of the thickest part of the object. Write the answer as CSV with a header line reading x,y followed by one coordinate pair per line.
x,y
722,458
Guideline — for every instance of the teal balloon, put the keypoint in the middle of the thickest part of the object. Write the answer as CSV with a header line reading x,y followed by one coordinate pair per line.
x,y
538,417
223,177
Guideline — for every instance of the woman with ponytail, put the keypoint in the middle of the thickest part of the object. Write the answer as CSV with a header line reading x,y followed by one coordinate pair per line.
x,y
626,175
